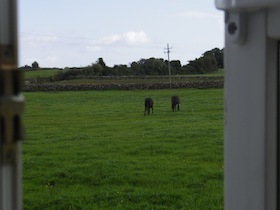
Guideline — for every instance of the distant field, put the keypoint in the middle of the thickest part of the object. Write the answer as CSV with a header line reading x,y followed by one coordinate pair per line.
x,y
96,150
34,74
220,72
44,74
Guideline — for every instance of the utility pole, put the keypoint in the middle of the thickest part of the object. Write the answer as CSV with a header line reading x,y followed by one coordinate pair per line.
x,y
11,109
167,50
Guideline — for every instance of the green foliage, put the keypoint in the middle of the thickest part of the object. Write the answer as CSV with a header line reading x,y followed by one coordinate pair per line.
x,y
35,65
101,62
122,70
204,65
97,150
219,56
69,74
151,66
209,62
93,70
176,67
137,69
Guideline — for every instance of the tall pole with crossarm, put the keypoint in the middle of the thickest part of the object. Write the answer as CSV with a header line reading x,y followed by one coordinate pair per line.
x,y
11,109
167,50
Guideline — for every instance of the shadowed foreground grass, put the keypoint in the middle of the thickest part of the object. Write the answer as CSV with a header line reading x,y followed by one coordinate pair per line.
x,y
97,150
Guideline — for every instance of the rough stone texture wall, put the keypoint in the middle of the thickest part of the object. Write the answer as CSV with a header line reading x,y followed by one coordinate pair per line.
x,y
54,87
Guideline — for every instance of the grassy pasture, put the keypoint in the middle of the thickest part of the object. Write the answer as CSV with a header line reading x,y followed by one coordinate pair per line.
x,y
42,73
96,150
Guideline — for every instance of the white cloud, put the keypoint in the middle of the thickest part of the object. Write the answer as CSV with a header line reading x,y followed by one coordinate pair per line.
x,y
131,37
111,39
128,38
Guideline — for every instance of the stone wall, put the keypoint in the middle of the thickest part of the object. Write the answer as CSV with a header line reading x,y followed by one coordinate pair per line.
x,y
53,87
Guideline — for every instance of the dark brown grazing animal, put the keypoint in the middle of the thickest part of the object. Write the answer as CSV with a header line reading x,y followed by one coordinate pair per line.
x,y
175,103
149,104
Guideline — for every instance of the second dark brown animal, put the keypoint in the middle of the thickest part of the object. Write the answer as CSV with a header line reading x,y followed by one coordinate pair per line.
x,y
149,104
175,103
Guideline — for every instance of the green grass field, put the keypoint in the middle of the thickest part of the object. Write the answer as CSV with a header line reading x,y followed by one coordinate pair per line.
x,y
44,73
97,150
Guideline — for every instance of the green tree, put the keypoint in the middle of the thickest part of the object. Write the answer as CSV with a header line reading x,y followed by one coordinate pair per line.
x,y
209,62
187,69
197,66
122,70
136,68
148,66
101,62
151,66
175,66
219,56
35,65
97,69
159,67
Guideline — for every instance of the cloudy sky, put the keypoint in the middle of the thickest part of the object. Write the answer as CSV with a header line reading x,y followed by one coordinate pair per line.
x,y
75,33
